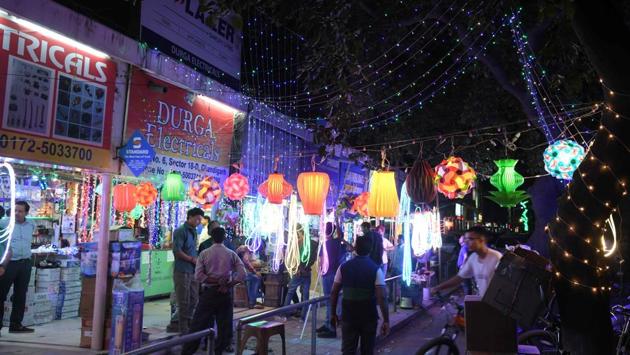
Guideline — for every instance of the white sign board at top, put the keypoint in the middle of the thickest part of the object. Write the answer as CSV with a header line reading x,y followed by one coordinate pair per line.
x,y
178,29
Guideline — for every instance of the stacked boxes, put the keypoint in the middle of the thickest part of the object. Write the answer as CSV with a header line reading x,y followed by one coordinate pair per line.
x,y
86,310
37,308
47,287
69,293
126,330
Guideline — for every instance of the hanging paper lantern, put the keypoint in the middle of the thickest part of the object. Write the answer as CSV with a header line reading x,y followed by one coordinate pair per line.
x,y
206,192
236,187
173,188
313,189
562,158
360,204
124,199
454,177
137,212
275,188
421,182
383,201
146,194
427,233
507,180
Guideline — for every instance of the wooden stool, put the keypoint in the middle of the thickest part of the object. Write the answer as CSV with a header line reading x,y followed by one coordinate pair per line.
x,y
262,331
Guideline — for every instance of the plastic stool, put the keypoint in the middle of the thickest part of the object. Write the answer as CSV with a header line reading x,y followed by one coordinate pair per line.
x,y
262,331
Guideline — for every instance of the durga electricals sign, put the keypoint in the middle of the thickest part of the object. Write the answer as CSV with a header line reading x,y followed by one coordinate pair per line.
x,y
56,98
191,134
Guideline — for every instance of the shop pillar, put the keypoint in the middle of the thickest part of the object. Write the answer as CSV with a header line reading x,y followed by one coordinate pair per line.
x,y
98,319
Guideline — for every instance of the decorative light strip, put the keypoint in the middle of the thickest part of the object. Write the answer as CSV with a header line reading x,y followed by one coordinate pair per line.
x,y
7,233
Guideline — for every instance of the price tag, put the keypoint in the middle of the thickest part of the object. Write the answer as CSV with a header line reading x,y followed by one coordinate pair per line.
x,y
170,257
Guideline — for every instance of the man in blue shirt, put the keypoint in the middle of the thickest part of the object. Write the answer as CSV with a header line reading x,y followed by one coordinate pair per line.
x,y
363,285
185,251
18,270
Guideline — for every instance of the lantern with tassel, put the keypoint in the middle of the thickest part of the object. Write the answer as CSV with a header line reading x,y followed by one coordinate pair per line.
x,y
454,177
173,188
383,201
360,204
313,189
124,197
275,188
236,187
146,193
421,182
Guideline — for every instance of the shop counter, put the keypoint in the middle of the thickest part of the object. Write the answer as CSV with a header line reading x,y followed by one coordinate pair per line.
x,y
161,272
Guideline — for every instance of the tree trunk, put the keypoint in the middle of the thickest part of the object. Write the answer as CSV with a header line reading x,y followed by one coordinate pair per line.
x,y
597,187
544,194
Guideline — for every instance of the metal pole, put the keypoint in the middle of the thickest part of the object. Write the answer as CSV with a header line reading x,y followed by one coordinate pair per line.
x,y
211,343
314,329
98,318
238,337
394,294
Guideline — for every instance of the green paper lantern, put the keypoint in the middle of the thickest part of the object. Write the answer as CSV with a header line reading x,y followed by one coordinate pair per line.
x,y
173,188
137,212
507,180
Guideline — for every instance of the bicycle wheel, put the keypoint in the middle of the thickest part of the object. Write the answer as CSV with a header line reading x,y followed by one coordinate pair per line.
x,y
545,341
439,346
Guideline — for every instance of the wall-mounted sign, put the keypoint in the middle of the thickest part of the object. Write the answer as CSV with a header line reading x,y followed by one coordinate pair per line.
x,y
179,29
56,97
137,153
191,134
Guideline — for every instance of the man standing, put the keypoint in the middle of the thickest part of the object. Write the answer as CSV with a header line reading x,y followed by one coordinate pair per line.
x,y
202,230
17,271
302,278
336,251
363,285
481,264
208,242
218,270
185,251
376,253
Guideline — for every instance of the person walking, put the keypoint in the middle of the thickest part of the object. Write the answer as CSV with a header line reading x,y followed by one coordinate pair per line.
x,y
302,278
336,251
185,251
363,285
17,271
218,269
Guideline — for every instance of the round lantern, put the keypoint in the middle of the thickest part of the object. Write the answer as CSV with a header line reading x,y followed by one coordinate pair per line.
x,y
383,200
146,194
275,188
360,204
313,189
421,182
124,199
454,177
236,187
206,192
173,188
562,158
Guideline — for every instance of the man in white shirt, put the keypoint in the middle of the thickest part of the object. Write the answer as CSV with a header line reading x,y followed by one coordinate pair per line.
x,y
480,265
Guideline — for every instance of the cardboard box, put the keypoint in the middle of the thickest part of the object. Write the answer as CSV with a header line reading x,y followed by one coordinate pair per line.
x,y
75,289
43,317
127,310
46,284
42,307
48,274
86,333
40,297
72,296
70,274
88,284
125,258
70,263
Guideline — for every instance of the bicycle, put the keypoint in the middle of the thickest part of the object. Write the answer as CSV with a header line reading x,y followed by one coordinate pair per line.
x,y
455,323
623,344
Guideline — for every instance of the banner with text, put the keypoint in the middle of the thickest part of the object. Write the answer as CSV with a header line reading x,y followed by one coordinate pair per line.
x,y
191,134
180,30
56,98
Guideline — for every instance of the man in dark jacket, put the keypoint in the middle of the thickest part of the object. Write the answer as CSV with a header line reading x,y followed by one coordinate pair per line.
x,y
363,285
376,254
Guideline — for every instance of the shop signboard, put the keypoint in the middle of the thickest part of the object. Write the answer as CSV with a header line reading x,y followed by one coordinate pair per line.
x,y
191,134
180,30
137,153
56,98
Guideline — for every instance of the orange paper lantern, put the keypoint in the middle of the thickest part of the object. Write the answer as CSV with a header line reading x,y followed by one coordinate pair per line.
x,y
360,204
313,189
275,188
124,197
146,193
236,187
383,201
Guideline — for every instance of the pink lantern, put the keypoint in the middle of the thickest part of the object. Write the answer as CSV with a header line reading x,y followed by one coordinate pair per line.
x,y
236,187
